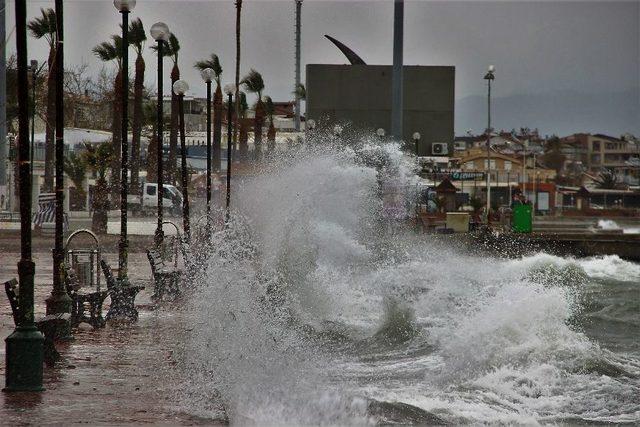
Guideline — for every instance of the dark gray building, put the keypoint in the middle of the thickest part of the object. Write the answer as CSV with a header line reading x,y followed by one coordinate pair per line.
x,y
361,94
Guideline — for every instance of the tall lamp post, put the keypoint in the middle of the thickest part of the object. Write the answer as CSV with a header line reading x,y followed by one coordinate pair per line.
x,y
180,87
229,90
489,77
296,117
208,75
24,347
34,74
160,33
416,140
59,300
124,7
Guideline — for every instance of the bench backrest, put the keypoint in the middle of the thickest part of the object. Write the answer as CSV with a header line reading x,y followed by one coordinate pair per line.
x,y
70,278
11,288
108,274
152,261
155,260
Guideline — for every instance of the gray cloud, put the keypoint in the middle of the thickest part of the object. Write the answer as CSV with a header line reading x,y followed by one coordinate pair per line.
x,y
536,47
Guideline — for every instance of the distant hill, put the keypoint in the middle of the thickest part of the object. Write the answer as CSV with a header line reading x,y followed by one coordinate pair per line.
x,y
561,113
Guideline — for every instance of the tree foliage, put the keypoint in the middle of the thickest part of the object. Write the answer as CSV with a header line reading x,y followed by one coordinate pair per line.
x,y
607,179
269,107
44,26
137,35
98,157
300,91
170,49
110,51
253,82
212,62
75,167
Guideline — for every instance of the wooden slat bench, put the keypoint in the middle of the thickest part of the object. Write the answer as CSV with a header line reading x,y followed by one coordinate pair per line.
x,y
166,278
48,325
123,295
86,305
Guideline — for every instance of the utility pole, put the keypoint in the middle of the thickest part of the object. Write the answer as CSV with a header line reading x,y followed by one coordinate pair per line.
x,y
297,88
3,99
396,84
489,77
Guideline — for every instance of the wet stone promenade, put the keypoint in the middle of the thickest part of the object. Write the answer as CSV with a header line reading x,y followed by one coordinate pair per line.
x,y
115,375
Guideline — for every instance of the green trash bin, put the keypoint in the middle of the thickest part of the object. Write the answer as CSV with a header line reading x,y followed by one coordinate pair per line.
x,y
521,219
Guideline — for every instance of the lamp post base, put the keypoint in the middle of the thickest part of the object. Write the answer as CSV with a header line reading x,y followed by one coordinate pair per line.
x,y
24,360
60,302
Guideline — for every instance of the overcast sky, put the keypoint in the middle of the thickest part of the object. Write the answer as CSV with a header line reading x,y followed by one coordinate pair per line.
x,y
535,46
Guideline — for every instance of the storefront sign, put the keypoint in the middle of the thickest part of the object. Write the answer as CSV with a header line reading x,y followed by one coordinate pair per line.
x,y
467,176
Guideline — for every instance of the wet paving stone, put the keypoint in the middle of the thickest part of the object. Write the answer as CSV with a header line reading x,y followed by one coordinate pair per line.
x,y
116,375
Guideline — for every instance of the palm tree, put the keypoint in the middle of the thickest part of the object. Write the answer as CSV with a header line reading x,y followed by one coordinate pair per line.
x,y
607,180
97,158
76,169
270,110
301,92
254,83
44,26
112,51
171,50
243,133
237,79
214,63
137,37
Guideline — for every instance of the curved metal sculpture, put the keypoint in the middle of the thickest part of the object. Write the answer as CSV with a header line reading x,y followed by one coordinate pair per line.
x,y
351,55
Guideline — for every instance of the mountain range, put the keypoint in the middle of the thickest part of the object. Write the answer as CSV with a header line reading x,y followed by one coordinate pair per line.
x,y
560,113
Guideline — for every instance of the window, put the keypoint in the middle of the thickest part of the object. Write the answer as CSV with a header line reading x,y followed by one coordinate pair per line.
x,y
596,145
493,164
151,190
507,165
469,166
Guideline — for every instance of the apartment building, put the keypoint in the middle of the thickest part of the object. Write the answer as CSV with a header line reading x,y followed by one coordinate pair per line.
x,y
598,152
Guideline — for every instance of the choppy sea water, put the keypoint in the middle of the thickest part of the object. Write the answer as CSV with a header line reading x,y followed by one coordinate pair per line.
x,y
312,309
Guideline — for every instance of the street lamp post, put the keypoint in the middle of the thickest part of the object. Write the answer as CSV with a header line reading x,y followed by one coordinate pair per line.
x,y
416,140
34,74
207,75
229,90
122,307
24,347
489,77
180,87
59,300
124,7
160,33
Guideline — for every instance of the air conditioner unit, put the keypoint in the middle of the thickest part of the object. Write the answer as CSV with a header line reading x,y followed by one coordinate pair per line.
x,y
439,149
